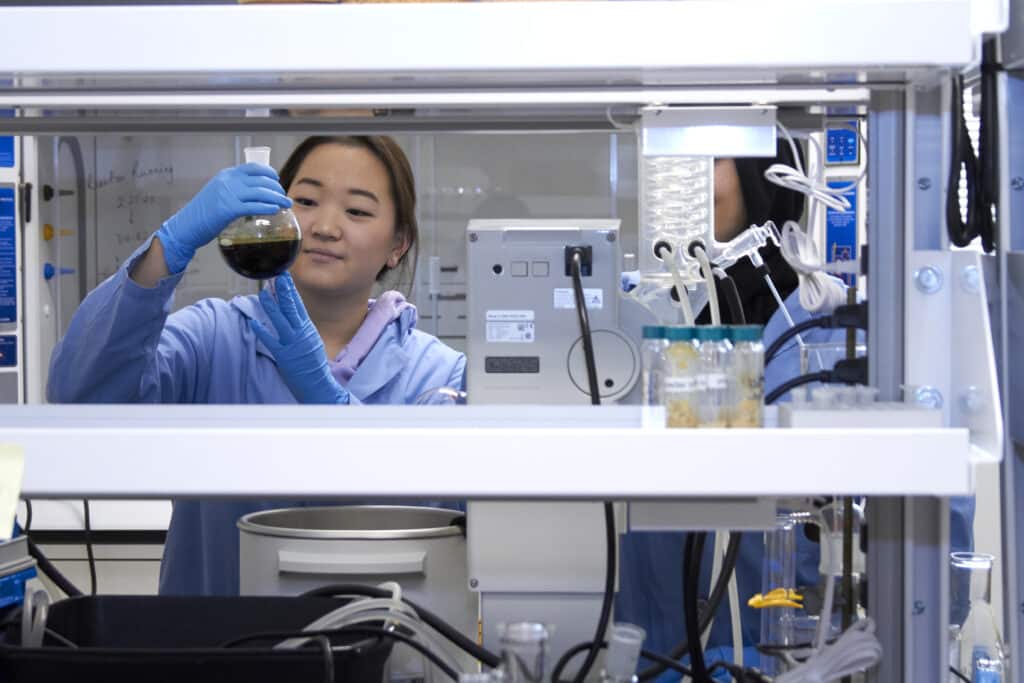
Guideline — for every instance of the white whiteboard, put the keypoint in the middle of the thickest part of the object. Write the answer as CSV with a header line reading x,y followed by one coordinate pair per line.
x,y
137,182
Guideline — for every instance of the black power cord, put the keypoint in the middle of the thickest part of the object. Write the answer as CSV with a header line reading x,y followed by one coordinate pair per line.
x,y
90,556
846,371
953,670
609,511
486,657
732,552
846,316
584,319
54,574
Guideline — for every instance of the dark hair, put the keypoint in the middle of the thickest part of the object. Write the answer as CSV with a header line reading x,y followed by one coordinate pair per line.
x,y
403,187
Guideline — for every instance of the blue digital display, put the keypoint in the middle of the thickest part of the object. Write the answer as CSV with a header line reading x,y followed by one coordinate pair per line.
x,y
8,351
842,145
8,258
841,231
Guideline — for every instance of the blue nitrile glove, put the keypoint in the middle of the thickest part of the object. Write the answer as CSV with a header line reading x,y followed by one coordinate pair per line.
x,y
298,349
246,190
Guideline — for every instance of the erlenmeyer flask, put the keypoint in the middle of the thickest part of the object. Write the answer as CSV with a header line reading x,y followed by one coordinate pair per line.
x,y
261,247
982,656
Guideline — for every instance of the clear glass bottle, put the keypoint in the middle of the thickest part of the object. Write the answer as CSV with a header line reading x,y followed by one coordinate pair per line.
x,y
778,571
524,647
982,655
682,364
261,247
714,383
652,370
624,644
748,376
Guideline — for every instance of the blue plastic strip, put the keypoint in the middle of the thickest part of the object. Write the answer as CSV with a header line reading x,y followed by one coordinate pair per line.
x,y
8,258
841,232
12,588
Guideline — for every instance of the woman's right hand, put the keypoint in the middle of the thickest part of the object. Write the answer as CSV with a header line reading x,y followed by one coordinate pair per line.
x,y
246,190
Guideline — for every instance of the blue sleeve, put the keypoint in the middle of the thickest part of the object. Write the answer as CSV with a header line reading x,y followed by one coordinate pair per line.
x,y
961,524
121,347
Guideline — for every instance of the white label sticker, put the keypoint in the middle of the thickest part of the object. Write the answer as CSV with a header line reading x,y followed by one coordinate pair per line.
x,y
509,316
565,298
515,333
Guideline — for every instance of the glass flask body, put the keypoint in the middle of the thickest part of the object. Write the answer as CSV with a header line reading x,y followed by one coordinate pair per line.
x,y
261,247
982,655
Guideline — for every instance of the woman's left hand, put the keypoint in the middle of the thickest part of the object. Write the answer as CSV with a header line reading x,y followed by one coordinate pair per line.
x,y
298,348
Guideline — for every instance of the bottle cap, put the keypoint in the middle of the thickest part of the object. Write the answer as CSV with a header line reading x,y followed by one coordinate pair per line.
x,y
681,333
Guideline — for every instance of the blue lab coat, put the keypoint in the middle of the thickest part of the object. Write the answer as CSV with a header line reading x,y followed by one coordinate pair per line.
x,y
650,578
123,347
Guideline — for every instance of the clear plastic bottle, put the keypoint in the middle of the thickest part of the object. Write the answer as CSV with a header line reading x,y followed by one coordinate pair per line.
x,y
714,382
652,364
680,381
983,657
261,247
748,376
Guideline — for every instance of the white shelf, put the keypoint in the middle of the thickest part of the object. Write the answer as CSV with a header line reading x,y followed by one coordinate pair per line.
x,y
472,45
512,452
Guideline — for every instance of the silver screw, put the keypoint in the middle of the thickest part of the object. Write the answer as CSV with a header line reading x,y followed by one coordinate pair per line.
x,y
610,236
971,401
924,183
473,583
473,237
928,279
970,279
1017,183
928,397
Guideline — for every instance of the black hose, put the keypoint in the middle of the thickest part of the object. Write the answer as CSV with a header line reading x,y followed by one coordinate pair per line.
x,y
355,630
429,618
727,287
693,550
732,552
777,392
645,654
791,332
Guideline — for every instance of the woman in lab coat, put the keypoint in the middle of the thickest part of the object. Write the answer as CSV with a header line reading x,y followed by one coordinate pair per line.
x,y
355,200
650,579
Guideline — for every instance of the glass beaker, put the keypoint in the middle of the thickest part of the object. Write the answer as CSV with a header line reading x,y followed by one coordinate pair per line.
x,y
524,647
261,247
982,656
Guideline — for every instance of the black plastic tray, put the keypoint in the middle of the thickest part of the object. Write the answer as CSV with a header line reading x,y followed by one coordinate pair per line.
x,y
163,639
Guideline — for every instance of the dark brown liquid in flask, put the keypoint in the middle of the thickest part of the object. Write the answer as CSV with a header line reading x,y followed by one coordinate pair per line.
x,y
261,259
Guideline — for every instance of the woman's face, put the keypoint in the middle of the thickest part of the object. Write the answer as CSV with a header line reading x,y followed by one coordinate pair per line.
x,y
342,198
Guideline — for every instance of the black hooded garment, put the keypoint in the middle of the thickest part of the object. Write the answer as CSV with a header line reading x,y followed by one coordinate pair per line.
x,y
763,201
